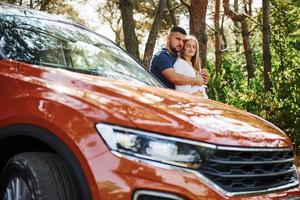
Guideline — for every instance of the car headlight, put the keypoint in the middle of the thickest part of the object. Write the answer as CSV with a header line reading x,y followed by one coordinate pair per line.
x,y
150,146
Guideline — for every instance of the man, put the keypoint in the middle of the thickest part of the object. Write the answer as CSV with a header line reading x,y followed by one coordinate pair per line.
x,y
163,62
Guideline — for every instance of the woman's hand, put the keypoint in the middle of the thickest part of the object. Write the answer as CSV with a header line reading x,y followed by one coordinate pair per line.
x,y
199,79
205,75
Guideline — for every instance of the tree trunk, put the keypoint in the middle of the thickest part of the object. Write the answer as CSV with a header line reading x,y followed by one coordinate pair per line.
x,y
159,13
44,5
172,13
118,39
218,50
245,34
266,45
197,11
224,40
236,27
118,32
248,7
130,39
247,49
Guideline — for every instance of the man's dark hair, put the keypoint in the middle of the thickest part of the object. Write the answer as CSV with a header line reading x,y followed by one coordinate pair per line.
x,y
178,29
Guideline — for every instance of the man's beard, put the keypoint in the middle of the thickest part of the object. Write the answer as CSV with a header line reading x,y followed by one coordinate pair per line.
x,y
174,50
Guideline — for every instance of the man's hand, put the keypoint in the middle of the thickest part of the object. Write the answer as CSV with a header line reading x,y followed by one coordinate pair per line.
x,y
180,79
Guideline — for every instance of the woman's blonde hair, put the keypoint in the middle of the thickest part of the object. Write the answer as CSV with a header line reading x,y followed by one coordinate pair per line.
x,y
196,62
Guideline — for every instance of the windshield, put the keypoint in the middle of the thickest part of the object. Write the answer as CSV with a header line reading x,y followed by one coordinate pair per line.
x,y
55,44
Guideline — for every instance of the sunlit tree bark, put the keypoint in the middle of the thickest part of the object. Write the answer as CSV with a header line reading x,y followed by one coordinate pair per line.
x,y
130,39
197,11
218,49
153,32
236,27
266,44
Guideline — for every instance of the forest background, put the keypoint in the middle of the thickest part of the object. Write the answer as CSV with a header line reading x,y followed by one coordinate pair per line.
x,y
251,48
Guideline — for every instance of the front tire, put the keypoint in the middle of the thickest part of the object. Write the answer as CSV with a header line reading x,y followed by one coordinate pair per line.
x,y
37,176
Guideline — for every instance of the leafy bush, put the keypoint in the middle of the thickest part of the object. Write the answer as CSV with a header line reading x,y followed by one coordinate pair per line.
x,y
281,105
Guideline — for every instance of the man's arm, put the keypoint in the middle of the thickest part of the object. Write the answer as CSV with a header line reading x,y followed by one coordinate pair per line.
x,y
180,79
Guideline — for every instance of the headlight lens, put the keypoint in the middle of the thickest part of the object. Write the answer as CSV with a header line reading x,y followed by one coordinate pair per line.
x,y
150,146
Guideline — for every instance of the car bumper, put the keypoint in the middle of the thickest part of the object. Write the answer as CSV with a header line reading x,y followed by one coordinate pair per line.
x,y
122,178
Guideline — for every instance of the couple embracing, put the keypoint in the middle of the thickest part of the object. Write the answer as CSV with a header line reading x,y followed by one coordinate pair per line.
x,y
180,72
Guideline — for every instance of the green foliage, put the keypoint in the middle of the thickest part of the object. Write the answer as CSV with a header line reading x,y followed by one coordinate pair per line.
x,y
286,64
281,105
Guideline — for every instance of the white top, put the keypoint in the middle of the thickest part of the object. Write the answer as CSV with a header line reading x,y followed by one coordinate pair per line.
x,y
181,66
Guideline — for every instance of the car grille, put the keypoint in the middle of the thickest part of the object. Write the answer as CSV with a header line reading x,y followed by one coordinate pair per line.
x,y
246,170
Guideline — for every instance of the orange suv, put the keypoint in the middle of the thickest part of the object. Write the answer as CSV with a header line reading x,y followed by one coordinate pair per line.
x,y
80,119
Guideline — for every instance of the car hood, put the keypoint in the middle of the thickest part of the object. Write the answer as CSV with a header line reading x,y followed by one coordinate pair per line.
x,y
181,115
168,112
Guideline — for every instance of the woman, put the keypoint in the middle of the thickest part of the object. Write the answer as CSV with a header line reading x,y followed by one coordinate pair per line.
x,y
189,65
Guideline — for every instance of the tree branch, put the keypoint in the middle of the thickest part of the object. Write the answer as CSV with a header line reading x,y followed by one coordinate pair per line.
x,y
185,3
210,27
173,8
233,15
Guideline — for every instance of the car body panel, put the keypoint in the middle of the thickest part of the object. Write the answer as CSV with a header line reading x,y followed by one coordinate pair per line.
x,y
170,112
